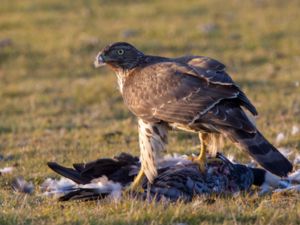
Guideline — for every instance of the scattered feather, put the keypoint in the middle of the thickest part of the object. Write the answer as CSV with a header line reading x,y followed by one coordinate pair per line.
x,y
57,188
285,184
6,170
19,184
280,137
295,130
294,177
297,159
52,187
291,188
105,186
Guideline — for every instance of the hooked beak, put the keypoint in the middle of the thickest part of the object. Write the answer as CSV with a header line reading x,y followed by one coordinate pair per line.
x,y
99,61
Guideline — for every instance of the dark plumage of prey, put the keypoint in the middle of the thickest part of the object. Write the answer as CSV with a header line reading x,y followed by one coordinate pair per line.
x,y
191,93
178,178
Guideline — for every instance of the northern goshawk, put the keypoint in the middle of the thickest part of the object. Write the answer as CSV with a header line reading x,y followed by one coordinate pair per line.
x,y
191,93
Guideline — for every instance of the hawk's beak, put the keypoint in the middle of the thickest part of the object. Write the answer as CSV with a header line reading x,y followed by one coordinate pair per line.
x,y
99,61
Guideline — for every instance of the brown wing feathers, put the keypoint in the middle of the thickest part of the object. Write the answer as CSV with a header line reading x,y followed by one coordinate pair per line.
x,y
197,92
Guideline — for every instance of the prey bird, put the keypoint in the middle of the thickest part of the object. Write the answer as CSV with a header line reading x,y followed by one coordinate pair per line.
x,y
190,93
178,178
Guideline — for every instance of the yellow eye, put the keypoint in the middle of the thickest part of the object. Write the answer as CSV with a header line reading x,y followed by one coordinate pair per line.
x,y
120,52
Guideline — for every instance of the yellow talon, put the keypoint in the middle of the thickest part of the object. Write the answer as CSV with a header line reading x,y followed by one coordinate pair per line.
x,y
201,164
136,185
201,159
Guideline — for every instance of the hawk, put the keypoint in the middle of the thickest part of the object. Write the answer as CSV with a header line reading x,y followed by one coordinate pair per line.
x,y
191,93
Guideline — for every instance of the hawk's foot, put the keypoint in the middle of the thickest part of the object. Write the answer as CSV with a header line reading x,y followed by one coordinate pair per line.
x,y
201,162
136,185
201,159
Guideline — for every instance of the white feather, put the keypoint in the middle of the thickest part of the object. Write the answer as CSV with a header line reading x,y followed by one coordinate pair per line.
x,y
6,170
53,187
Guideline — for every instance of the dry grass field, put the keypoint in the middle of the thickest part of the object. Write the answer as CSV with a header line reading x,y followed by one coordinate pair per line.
x,y
54,106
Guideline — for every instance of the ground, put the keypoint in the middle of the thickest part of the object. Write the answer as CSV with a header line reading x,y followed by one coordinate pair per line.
x,y
56,107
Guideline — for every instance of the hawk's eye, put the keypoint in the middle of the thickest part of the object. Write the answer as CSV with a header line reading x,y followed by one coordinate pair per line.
x,y
120,51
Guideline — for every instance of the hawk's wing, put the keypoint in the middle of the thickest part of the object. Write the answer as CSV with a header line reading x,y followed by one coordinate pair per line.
x,y
214,70
178,92
190,96
215,73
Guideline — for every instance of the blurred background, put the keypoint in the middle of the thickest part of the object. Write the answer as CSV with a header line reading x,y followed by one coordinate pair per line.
x,y
55,106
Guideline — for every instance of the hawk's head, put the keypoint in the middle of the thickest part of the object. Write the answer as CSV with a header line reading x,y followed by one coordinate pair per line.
x,y
119,55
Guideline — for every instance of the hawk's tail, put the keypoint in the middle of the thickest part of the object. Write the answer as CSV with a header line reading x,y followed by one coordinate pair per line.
x,y
261,150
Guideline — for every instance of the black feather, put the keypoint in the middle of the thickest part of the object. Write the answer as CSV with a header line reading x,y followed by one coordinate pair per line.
x,y
116,169
68,173
84,194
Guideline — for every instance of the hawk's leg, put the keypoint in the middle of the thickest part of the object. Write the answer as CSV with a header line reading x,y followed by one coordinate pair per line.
x,y
152,141
136,184
201,159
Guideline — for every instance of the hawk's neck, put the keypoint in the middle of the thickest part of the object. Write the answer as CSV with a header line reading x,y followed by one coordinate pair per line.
x,y
121,75
149,59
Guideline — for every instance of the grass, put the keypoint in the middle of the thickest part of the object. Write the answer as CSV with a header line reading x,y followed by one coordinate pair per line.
x,y
54,106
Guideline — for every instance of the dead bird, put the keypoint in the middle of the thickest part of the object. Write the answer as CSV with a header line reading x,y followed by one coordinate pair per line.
x,y
178,178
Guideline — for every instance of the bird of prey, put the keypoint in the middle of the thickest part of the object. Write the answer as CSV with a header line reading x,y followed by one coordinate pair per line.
x,y
191,93
178,178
